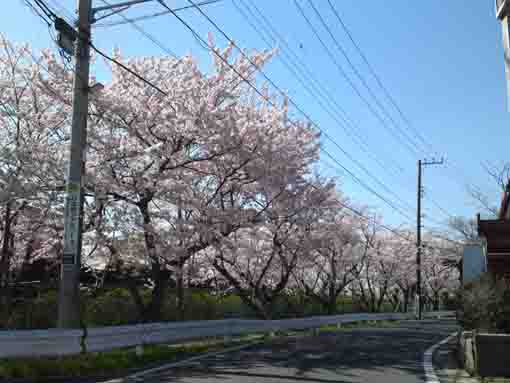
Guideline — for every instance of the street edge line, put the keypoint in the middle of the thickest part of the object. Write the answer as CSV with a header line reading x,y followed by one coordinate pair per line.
x,y
428,365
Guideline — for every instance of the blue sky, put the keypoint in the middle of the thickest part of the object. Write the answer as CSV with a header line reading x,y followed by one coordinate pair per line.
x,y
440,60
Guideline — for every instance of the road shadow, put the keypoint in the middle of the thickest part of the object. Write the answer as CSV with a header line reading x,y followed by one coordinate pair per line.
x,y
335,356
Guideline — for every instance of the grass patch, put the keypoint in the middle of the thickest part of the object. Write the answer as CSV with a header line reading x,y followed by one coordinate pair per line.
x,y
108,364
360,324
334,328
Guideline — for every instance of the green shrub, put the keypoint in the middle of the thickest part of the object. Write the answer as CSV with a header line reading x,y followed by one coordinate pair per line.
x,y
112,308
486,305
39,313
232,305
202,306
116,307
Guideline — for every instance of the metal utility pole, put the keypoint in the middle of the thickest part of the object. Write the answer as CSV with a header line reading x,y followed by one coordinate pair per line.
x,y
69,296
418,230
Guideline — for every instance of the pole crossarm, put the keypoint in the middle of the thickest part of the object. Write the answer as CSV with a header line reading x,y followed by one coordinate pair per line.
x,y
125,4
432,162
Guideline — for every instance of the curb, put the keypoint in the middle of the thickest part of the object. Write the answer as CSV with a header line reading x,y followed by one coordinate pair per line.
x,y
428,366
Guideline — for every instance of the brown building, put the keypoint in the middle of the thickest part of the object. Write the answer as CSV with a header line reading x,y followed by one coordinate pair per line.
x,y
496,236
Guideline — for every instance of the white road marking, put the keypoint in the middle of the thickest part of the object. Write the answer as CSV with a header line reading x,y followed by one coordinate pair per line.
x,y
138,375
428,366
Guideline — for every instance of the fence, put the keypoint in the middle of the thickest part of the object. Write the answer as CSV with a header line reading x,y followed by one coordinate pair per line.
x,y
55,342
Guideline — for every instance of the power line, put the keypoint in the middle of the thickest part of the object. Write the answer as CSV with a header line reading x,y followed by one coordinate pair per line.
x,y
69,16
273,84
310,83
376,77
118,63
46,9
381,84
260,94
37,12
153,15
134,73
359,75
346,153
370,107
251,85
145,33
141,78
361,78
364,185
439,207
314,94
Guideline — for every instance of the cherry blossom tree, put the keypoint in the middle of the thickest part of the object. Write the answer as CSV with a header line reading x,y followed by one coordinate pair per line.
x,y
402,247
197,165
380,267
335,259
33,132
206,180
258,262
440,275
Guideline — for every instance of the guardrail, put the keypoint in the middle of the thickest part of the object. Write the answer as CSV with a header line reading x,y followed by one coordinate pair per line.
x,y
55,342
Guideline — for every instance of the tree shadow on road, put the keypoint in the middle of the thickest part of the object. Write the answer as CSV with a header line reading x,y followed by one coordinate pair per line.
x,y
343,356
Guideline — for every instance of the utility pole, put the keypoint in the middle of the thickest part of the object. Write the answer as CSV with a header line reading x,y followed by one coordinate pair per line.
x,y
78,42
421,164
69,295
503,15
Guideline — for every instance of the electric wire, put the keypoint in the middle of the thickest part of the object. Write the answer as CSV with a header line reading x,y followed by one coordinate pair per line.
x,y
145,33
347,154
301,72
267,100
377,77
151,16
264,97
37,12
353,86
191,29
68,15
361,78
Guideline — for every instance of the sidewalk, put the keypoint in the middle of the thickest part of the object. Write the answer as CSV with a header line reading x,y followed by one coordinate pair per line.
x,y
447,366
448,370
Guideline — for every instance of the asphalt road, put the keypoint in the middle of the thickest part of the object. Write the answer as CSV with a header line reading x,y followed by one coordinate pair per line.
x,y
362,355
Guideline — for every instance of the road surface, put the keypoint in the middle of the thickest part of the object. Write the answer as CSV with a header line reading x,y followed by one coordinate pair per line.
x,y
386,355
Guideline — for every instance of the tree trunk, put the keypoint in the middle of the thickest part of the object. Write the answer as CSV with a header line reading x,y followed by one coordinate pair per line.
x,y
5,260
436,302
331,302
180,278
155,308
180,292
406,300
137,298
